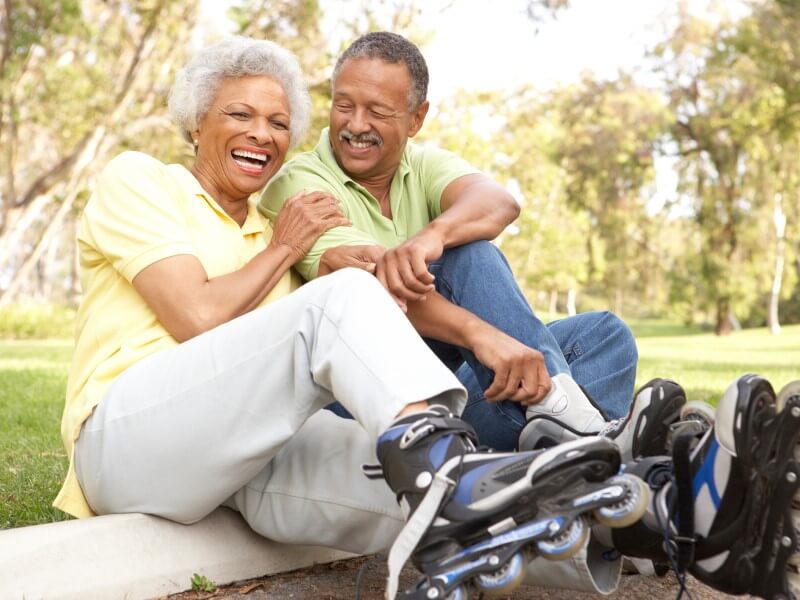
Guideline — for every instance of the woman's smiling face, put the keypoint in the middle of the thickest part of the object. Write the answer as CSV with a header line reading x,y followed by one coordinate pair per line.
x,y
243,138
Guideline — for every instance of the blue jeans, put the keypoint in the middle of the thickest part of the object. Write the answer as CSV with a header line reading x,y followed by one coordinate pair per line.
x,y
597,349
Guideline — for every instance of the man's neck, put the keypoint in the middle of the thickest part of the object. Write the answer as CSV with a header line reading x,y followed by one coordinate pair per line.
x,y
379,187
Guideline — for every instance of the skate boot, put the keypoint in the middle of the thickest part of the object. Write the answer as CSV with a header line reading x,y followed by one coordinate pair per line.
x,y
792,391
473,517
563,415
658,410
722,508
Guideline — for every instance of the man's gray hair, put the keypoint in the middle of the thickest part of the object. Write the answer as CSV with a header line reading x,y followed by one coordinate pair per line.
x,y
196,84
391,48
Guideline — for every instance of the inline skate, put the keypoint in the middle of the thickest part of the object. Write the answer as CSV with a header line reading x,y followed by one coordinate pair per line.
x,y
791,391
722,507
475,518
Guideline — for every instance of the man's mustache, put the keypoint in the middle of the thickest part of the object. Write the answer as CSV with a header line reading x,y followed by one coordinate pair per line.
x,y
361,138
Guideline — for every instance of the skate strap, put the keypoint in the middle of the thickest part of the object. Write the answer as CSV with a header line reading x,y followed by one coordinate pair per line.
x,y
428,425
685,540
415,528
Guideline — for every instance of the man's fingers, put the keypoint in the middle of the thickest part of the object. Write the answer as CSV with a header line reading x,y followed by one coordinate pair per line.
x,y
420,269
394,281
493,392
410,281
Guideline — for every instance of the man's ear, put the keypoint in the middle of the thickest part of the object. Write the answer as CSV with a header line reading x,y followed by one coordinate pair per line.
x,y
418,118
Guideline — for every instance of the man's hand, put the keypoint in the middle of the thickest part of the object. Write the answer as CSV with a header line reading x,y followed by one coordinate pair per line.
x,y
403,270
519,371
361,257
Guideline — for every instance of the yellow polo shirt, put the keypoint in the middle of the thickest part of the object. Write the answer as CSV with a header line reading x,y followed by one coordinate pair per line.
x,y
141,211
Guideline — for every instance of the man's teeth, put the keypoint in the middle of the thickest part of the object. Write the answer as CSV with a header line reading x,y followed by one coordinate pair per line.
x,y
360,145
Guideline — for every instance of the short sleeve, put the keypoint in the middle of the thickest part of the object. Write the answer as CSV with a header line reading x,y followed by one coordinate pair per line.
x,y
438,168
292,181
134,216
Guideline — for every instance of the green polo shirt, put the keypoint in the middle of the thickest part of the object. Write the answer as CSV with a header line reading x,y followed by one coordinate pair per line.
x,y
415,196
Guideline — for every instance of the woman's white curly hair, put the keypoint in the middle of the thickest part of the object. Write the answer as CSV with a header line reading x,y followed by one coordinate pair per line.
x,y
237,56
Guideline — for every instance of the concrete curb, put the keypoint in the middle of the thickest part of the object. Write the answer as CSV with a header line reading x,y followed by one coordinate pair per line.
x,y
134,557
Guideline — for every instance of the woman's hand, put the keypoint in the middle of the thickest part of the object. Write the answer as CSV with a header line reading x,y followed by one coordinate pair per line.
x,y
303,218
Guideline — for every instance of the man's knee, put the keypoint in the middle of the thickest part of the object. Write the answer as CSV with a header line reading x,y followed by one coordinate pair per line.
x,y
478,255
620,333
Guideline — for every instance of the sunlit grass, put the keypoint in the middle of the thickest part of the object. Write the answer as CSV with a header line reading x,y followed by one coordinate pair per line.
x,y
705,364
33,376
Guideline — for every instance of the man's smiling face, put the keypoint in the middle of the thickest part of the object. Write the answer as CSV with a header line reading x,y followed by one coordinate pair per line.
x,y
370,120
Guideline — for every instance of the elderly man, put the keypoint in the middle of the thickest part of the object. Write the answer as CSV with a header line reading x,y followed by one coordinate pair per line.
x,y
420,218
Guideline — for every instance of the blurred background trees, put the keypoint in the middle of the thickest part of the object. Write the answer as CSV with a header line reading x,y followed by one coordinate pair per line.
x,y
718,109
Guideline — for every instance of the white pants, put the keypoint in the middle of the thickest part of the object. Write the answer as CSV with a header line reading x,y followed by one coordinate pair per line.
x,y
233,417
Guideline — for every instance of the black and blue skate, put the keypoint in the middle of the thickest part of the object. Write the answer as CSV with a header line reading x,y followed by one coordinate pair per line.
x,y
792,391
473,518
723,505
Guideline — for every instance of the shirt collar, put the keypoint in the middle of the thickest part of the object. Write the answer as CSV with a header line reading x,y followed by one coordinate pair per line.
x,y
253,223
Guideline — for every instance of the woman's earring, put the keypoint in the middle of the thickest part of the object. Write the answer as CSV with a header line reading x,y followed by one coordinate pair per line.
x,y
195,142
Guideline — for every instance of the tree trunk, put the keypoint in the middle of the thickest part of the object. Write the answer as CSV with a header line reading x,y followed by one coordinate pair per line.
x,y
571,294
779,219
724,324
27,267
553,304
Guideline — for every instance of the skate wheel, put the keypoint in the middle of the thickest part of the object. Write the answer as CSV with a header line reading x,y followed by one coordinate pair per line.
x,y
459,593
790,389
567,544
794,559
503,581
629,510
793,581
694,410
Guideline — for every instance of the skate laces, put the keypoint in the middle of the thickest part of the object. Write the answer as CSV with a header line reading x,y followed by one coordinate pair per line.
x,y
611,427
679,546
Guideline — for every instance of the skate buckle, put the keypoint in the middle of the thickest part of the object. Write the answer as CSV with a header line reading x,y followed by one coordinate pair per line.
x,y
685,548
415,432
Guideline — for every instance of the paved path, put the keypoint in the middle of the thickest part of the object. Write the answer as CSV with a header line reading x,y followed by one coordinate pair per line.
x,y
337,581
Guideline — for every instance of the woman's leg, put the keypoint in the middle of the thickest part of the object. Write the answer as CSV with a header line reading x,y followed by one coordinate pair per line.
x,y
183,430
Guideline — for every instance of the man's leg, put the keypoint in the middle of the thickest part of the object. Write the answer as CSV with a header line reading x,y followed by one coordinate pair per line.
x,y
497,424
476,276
602,356
597,349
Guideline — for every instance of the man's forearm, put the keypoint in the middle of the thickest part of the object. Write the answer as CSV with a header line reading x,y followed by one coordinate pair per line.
x,y
481,211
439,319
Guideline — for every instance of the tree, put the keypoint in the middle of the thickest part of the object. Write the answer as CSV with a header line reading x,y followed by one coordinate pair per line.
x,y
720,111
84,81
608,136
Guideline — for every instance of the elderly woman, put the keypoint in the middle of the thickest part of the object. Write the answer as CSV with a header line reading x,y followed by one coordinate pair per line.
x,y
199,372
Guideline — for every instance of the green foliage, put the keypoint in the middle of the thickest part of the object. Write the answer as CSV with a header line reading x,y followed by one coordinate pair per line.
x,y
38,321
201,583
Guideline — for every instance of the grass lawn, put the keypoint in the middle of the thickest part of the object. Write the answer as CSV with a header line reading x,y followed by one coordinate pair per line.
x,y
705,364
33,376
